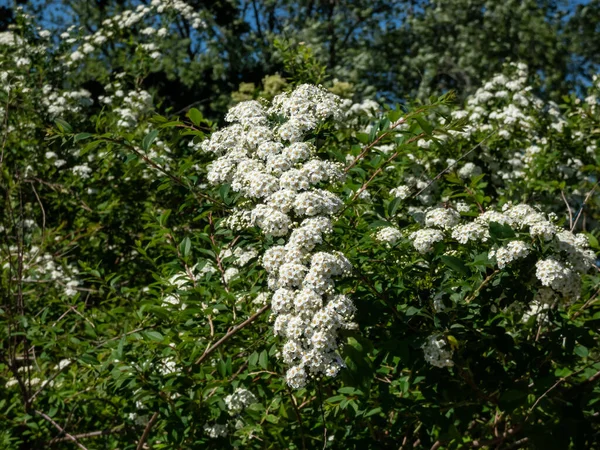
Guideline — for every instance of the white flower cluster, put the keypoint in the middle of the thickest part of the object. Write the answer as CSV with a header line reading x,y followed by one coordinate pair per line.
x,y
568,255
402,192
39,266
58,103
425,239
389,235
435,352
216,430
135,104
263,157
239,400
509,252
444,218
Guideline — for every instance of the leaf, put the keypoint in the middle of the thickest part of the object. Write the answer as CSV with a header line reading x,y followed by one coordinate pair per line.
x,y
500,231
195,116
185,246
81,137
427,128
149,139
154,335
253,359
393,206
263,359
63,125
455,264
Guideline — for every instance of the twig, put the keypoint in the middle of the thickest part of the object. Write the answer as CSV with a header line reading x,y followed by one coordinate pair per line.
x,y
562,194
551,388
146,432
91,434
298,416
163,171
379,138
587,197
59,428
439,175
471,297
230,333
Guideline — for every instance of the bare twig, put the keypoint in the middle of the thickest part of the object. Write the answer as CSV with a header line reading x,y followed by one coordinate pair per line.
x,y
90,434
59,428
439,175
587,197
471,297
230,333
146,432
298,416
562,194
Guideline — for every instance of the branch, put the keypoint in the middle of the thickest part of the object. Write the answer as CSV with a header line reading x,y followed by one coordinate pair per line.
x,y
587,197
439,175
233,331
59,428
91,434
146,432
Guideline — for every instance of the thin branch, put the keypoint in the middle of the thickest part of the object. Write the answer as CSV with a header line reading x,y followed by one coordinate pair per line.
x,y
59,428
471,297
439,175
298,416
146,432
587,197
163,171
379,138
562,194
230,333
91,434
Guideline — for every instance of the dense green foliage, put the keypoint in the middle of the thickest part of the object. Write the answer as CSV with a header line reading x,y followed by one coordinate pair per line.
x,y
180,180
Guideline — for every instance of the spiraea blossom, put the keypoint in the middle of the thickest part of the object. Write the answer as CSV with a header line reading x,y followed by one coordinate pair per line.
x,y
436,352
389,235
239,400
263,156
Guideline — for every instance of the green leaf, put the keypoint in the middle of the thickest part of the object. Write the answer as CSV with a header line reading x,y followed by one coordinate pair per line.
x,y
195,116
63,126
149,139
263,359
455,264
81,137
500,231
154,335
425,126
185,246
393,206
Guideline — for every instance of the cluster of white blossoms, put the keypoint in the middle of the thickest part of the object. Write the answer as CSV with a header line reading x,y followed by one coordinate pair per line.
x,y
436,353
38,266
424,240
263,157
127,19
215,430
58,103
509,252
389,235
567,254
402,192
239,400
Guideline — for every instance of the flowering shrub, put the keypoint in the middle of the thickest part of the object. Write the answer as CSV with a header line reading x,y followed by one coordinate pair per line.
x,y
315,272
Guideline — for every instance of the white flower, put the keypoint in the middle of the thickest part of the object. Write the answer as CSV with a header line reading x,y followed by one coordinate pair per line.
x,y
425,239
508,253
445,218
239,400
435,352
389,235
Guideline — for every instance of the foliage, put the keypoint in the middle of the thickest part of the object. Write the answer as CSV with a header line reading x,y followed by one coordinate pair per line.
x,y
320,271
